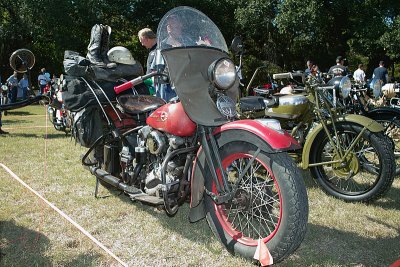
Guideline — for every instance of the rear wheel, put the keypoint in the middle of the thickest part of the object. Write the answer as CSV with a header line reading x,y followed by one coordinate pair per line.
x,y
368,170
270,203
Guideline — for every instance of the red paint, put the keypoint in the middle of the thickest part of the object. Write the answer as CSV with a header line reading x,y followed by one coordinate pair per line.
x,y
223,217
172,119
126,123
275,139
395,264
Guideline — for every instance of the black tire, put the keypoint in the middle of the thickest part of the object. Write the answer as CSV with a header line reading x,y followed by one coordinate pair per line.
x,y
276,180
392,130
371,162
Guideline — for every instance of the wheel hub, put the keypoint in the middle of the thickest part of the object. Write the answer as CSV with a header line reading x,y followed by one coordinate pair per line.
x,y
349,167
241,200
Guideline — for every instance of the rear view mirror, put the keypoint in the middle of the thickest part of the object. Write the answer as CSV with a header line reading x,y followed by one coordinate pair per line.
x,y
237,45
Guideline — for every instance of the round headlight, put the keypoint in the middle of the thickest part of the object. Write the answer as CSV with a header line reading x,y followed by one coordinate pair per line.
x,y
345,86
376,87
222,73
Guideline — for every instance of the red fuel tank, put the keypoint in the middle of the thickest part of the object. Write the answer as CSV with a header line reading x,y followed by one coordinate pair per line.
x,y
172,119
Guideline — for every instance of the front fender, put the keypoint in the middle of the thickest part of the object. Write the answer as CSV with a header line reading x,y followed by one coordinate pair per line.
x,y
250,131
273,141
369,123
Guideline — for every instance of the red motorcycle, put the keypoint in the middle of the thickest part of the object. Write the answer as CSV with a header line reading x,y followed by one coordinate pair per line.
x,y
237,174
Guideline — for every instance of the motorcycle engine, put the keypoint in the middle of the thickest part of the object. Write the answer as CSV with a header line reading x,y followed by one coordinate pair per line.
x,y
156,142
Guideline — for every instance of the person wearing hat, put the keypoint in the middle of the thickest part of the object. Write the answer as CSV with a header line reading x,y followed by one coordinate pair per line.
x,y
339,69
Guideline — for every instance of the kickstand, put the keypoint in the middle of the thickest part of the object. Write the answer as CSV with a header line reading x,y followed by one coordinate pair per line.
x,y
96,190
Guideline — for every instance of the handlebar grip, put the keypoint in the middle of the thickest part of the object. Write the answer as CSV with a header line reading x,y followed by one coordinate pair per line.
x,y
125,86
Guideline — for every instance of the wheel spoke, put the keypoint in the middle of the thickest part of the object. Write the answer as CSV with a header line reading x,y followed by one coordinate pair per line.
x,y
255,209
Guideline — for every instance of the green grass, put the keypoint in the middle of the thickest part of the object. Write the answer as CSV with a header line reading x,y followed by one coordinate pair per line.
x,y
32,234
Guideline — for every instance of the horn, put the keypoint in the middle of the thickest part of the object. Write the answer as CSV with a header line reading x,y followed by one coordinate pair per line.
x,y
22,60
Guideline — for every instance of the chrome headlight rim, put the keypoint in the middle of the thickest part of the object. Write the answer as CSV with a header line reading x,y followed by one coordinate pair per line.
x,y
222,73
345,86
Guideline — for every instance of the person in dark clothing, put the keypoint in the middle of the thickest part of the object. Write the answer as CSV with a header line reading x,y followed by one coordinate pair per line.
x,y
339,69
381,73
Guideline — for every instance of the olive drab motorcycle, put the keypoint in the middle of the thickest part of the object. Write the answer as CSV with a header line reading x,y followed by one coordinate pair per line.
x,y
237,174
348,155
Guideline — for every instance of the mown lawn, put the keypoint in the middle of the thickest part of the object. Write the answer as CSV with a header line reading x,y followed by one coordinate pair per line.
x,y
32,234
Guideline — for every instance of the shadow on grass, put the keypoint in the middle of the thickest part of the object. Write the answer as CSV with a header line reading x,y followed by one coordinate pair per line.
x,y
391,200
41,135
19,113
58,135
9,122
20,246
198,232
24,135
333,247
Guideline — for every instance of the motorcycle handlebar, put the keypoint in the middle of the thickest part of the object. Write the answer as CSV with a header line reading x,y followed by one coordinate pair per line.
x,y
129,84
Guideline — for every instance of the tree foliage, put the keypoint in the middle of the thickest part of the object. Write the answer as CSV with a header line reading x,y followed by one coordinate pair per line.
x,y
281,33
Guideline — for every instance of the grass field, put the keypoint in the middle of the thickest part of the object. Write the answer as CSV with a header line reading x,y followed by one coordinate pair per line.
x,y
32,234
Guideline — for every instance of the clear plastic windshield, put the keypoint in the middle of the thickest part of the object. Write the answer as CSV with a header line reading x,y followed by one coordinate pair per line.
x,y
188,27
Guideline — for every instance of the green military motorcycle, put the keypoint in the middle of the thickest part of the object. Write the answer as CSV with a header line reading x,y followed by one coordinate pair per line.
x,y
348,155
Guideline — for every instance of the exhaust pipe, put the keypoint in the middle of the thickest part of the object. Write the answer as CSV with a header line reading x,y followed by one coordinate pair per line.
x,y
110,179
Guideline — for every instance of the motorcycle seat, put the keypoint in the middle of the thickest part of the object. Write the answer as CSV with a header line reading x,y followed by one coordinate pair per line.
x,y
252,103
138,104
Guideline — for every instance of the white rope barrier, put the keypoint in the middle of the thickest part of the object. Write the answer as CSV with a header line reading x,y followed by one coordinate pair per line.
x,y
98,243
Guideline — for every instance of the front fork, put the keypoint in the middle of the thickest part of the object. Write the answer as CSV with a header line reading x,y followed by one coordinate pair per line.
x,y
335,145
225,191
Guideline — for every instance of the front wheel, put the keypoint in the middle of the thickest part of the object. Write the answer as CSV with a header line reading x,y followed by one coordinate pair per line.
x,y
366,173
270,204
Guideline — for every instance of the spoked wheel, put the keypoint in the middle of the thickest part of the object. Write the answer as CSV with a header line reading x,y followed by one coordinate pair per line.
x,y
392,130
365,174
270,204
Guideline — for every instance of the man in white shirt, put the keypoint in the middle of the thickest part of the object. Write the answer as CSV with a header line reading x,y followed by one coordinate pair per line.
x,y
359,74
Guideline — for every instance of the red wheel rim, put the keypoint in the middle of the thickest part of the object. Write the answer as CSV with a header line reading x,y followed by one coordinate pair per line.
x,y
228,223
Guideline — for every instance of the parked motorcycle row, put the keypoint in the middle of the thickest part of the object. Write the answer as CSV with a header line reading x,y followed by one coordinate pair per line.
x,y
238,164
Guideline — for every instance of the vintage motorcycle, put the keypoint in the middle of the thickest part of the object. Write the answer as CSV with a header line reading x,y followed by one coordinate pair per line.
x,y
348,155
21,61
373,101
59,116
237,174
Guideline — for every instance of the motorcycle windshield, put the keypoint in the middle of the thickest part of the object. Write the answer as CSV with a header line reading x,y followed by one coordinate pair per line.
x,y
190,42
185,27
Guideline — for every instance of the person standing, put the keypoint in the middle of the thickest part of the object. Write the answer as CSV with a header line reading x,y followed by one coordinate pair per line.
x,y
359,74
381,73
149,40
339,69
12,83
42,80
1,124
308,70
23,84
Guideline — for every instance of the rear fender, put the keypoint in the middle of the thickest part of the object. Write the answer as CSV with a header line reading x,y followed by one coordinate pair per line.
x,y
250,131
